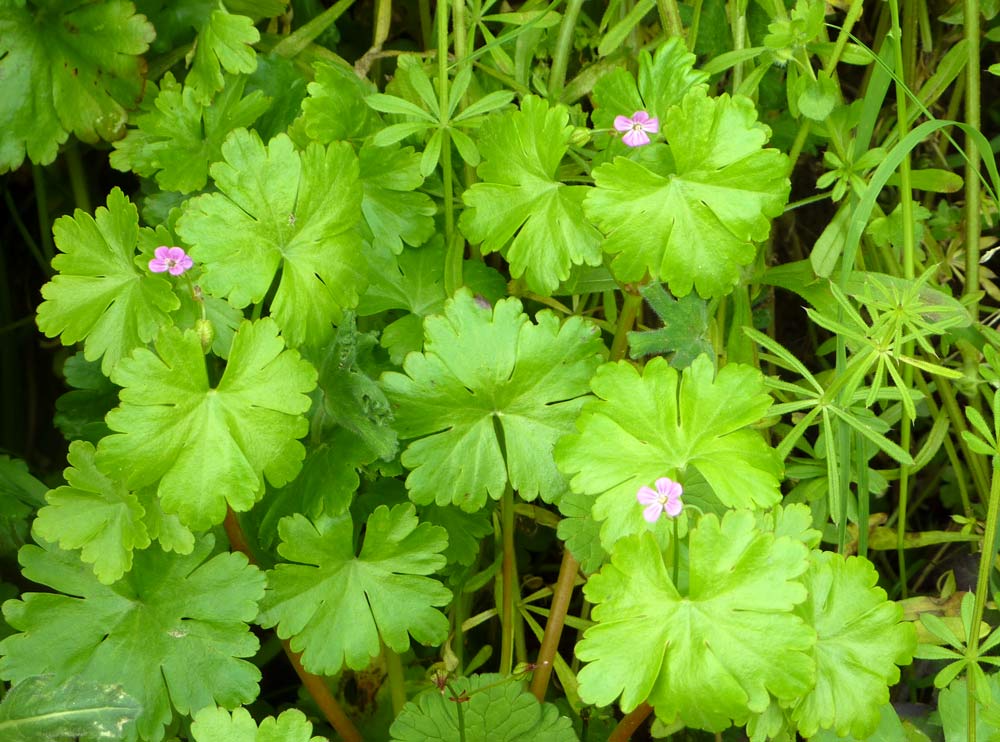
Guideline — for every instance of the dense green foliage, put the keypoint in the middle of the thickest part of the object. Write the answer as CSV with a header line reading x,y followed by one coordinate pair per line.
x,y
363,366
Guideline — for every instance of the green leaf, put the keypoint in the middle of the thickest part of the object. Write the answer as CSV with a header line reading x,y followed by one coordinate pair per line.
x,y
685,328
177,136
466,531
665,424
20,496
209,446
395,212
861,638
487,400
381,593
521,208
690,215
72,67
412,280
350,398
95,514
664,79
100,295
225,41
714,654
399,106
581,532
38,708
80,412
184,616
953,706
298,213
494,708
335,109
817,98
617,33
214,724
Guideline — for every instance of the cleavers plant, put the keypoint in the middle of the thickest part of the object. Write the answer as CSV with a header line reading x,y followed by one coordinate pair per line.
x,y
371,364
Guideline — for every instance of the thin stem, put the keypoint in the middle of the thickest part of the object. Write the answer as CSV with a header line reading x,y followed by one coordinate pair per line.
x,y
692,34
397,680
670,17
42,211
508,581
906,209
324,699
77,176
739,23
424,11
630,722
562,593
313,683
676,570
455,246
982,587
26,237
972,192
564,44
630,310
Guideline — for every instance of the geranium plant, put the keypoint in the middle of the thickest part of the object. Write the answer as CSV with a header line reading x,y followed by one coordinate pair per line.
x,y
442,373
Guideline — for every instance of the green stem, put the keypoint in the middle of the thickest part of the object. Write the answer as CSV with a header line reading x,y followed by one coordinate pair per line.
x,y
26,237
295,42
426,25
397,680
508,581
564,44
670,17
906,209
561,595
42,210
986,559
454,245
677,554
630,310
77,176
972,188
692,35
739,22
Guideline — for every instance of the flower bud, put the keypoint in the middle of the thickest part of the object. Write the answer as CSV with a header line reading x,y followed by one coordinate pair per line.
x,y
580,136
206,333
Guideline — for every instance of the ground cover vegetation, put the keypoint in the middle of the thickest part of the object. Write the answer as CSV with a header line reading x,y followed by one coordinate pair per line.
x,y
493,371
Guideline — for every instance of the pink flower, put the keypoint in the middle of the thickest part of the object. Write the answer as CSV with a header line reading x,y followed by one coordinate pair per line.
x,y
172,259
667,498
636,128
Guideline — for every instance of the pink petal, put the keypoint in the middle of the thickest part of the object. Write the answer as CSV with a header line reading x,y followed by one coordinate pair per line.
x,y
646,496
668,487
158,265
652,126
640,117
623,123
673,506
636,138
653,512
162,252
176,253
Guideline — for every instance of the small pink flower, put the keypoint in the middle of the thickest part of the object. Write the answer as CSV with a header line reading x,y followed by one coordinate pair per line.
x,y
170,259
667,498
636,128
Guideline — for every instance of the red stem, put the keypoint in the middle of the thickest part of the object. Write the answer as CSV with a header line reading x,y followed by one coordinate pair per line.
x,y
631,721
562,592
314,683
